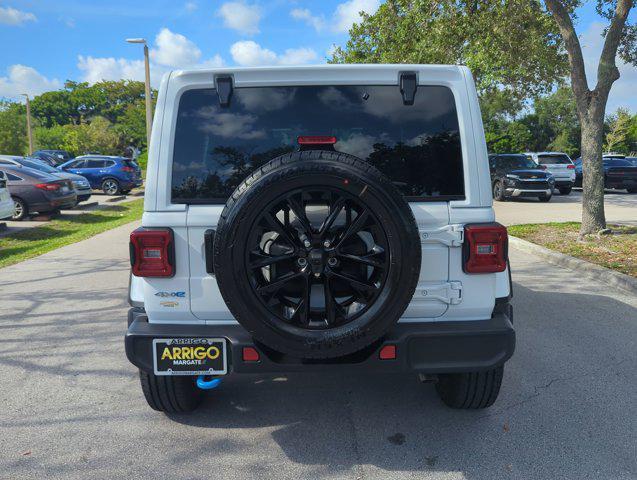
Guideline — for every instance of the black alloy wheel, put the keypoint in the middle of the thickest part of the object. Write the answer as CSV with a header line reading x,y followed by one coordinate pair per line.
x,y
317,258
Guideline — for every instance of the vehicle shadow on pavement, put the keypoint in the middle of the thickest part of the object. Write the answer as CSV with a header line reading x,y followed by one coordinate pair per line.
x,y
564,398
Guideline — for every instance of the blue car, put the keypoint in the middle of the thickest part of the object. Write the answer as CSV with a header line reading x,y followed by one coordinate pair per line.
x,y
112,175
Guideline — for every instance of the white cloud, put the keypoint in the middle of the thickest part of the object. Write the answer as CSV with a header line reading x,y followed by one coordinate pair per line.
x,y
623,91
22,79
343,17
315,21
249,53
171,50
11,16
191,6
108,68
174,50
240,16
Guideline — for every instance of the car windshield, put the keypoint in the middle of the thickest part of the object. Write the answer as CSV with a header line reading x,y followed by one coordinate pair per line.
x,y
510,162
616,162
43,167
560,159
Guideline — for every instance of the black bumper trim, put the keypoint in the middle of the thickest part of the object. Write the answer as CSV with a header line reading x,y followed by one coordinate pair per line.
x,y
433,347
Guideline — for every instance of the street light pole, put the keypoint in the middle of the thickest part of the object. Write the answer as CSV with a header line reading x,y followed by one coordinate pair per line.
x,y
149,104
29,132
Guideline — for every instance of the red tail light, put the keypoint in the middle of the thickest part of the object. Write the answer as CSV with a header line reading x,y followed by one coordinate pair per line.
x,y
316,140
571,167
485,248
152,252
250,354
49,187
128,169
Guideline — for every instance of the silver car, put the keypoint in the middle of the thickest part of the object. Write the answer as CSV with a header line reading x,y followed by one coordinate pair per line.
x,y
559,165
81,185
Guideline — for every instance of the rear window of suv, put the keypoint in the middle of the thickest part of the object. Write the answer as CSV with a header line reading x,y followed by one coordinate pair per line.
x,y
553,160
417,146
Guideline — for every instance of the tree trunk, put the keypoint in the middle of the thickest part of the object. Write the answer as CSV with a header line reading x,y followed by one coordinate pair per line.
x,y
593,217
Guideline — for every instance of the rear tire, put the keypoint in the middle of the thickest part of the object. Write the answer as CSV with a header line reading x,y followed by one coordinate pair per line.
x,y
110,186
631,190
170,394
20,209
565,191
472,390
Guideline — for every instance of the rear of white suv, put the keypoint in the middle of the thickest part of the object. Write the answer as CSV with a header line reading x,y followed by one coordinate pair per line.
x,y
319,218
6,202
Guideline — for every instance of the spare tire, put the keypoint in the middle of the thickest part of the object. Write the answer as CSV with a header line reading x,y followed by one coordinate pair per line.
x,y
317,254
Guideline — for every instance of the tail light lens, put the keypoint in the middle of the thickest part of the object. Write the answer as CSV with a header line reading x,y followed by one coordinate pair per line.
x,y
152,252
128,169
571,167
49,187
485,248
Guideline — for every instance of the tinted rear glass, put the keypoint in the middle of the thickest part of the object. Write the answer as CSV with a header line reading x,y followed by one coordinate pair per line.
x,y
417,147
553,160
616,162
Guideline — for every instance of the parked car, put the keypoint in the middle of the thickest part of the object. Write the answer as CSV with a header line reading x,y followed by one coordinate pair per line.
x,y
294,241
47,158
559,165
618,173
80,184
62,155
516,175
34,191
6,203
632,161
112,175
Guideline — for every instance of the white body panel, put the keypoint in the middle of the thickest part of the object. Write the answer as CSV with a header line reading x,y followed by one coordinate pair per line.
x,y
444,291
6,203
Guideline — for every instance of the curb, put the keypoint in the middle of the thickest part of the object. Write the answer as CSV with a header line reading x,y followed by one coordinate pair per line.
x,y
116,199
588,269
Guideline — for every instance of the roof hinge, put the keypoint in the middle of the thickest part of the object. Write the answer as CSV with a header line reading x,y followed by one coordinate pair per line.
x,y
408,86
224,86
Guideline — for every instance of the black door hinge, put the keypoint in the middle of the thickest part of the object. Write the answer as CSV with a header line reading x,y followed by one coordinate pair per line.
x,y
408,86
209,247
224,86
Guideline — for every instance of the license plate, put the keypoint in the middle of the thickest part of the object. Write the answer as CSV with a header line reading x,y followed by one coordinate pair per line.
x,y
190,356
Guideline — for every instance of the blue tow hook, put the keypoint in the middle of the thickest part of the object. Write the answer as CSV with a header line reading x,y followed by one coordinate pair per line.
x,y
207,384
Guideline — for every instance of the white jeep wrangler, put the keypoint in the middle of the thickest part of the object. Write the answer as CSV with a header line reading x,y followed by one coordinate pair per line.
x,y
318,218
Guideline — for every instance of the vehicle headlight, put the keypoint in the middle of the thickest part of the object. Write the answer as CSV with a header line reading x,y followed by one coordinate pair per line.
x,y
551,179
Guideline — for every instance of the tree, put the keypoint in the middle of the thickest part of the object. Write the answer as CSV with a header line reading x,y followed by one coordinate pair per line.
x,y
13,130
509,45
618,136
591,104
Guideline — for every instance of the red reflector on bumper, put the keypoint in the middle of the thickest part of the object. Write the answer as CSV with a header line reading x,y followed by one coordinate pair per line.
x,y
388,352
250,354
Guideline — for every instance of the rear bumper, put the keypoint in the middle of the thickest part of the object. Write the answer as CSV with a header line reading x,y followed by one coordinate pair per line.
x,y
433,348
564,183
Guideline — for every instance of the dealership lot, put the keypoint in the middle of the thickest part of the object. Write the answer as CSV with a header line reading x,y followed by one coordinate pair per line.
x,y
72,406
620,207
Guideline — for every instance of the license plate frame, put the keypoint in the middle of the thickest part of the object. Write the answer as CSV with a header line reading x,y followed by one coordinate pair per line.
x,y
197,362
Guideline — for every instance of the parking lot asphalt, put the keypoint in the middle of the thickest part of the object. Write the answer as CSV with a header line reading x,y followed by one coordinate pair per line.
x,y
620,207
72,407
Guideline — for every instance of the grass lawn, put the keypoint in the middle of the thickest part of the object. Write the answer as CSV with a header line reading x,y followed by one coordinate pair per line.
x,y
32,242
617,251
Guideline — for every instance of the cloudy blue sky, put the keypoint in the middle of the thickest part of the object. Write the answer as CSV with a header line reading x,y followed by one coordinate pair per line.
x,y
46,42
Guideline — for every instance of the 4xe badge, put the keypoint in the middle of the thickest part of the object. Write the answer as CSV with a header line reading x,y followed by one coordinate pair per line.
x,y
171,294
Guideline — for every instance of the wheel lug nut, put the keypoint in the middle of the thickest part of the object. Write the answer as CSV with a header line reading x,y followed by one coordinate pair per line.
x,y
332,262
307,243
301,262
326,244
317,274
